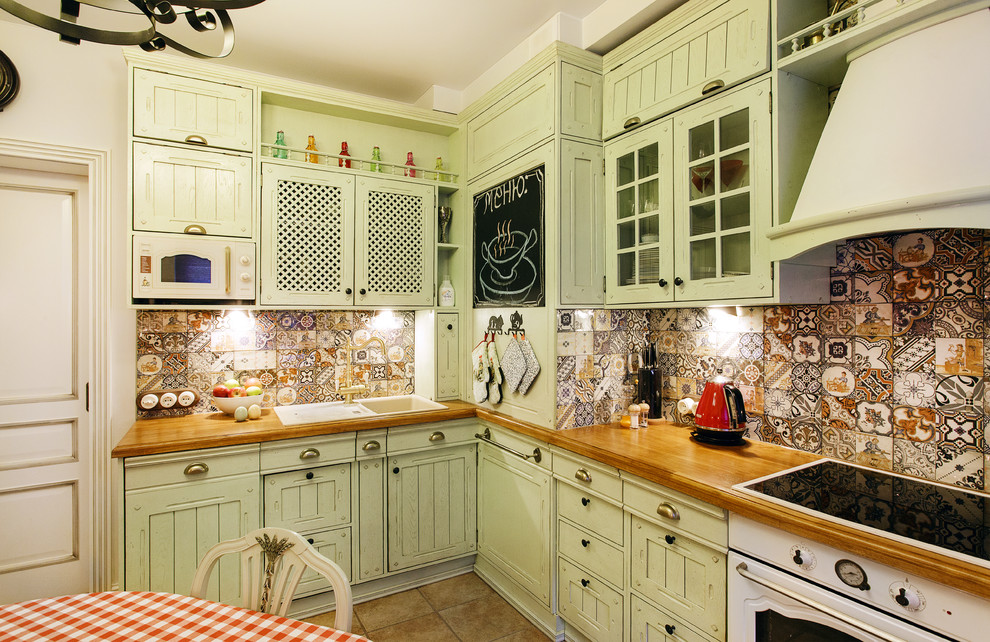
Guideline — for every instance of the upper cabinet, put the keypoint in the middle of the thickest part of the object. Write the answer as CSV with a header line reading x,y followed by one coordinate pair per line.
x,y
195,191
696,51
688,204
331,238
198,112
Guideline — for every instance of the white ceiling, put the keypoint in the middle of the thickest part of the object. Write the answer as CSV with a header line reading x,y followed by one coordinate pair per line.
x,y
401,49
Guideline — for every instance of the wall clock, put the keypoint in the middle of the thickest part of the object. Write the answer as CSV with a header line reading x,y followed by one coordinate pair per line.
x,y
9,82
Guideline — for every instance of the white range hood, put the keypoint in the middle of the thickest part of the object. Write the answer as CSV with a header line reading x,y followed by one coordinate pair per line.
x,y
907,144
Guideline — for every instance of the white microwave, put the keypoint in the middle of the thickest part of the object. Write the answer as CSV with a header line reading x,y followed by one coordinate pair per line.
x,y
176,266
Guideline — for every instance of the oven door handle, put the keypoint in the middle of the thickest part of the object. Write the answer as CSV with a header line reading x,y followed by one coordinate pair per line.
x,y
743,570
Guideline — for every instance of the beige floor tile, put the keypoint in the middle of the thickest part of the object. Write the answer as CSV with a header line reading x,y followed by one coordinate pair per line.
x,y
386,611
327,619
529,634
454,591
428,628
485,619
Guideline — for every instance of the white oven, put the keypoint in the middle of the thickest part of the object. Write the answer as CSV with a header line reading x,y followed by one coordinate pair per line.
x,y
181,266
782,587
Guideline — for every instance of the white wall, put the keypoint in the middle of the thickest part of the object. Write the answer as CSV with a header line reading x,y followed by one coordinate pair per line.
x,y
77,96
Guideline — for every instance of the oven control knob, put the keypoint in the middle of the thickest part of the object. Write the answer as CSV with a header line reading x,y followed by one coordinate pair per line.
x,y
803,557
907,597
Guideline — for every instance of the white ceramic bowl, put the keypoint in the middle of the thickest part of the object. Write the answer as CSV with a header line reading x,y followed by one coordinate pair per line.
x,y
230,404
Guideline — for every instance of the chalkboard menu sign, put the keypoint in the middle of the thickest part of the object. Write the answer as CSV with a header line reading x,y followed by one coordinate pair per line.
x,y
508,242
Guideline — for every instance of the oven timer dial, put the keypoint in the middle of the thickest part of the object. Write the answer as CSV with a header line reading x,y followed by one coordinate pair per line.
x,y
907,597
803,557
852,574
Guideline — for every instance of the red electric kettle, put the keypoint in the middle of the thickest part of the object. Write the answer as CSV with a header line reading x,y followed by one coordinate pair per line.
x,y
721,415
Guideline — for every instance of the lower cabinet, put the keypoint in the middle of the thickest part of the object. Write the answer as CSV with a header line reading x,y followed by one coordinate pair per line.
x,y
515,515
650,624
177,507
431,506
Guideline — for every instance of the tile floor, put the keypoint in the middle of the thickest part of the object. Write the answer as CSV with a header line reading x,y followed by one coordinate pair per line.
x,y
461,608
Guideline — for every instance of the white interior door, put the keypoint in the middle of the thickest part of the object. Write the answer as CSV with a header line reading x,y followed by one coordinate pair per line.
x,y
45,441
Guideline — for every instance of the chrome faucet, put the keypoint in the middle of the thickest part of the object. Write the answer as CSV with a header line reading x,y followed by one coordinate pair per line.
x,y
349,389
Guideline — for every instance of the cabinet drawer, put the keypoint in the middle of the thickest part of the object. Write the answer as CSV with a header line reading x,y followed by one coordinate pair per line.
x,y
309,500
587,603
433,435
306,452
189,466
335,545
591,552
680,575
591,511
372,443
178,109
650,623
676,511
589,474
519,120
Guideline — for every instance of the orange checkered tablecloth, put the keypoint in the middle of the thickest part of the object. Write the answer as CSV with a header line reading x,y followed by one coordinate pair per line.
x,y
132,616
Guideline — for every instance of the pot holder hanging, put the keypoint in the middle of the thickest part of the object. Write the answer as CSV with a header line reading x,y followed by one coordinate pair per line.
x,y
495,385
532,365
480,372
513,364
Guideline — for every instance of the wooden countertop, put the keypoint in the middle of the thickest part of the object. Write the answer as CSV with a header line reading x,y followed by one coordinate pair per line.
x,y
664,454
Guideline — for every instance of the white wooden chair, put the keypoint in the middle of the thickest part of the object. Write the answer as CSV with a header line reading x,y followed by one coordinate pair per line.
x,y
272,562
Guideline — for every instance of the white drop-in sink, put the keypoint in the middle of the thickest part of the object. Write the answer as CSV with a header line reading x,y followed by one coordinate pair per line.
x,y
315,413
400,403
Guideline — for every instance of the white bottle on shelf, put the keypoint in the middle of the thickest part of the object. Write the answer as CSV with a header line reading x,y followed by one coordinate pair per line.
x,y
446,293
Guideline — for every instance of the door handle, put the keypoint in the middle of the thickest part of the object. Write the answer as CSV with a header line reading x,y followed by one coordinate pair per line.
x,y
437,436
196,139
371,445
714,85
196,469
309,453
582,475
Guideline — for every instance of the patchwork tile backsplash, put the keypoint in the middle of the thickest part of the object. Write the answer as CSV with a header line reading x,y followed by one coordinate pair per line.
x,y
298,355
889,374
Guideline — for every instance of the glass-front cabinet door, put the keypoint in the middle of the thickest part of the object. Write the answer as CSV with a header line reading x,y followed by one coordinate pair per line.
x,y
722,197
639,231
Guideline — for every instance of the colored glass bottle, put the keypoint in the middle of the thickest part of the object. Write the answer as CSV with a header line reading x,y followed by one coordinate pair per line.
x,y
344,162
409,163
311,146
280,140
439,168
376,155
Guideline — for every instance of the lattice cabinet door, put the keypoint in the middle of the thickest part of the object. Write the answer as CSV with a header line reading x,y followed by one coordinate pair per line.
x,y
307,236
394,243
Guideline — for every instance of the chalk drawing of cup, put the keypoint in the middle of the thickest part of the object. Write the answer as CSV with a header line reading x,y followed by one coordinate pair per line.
x,y
504,252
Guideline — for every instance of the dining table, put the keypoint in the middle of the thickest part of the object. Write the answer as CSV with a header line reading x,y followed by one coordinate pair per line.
x,y
133,616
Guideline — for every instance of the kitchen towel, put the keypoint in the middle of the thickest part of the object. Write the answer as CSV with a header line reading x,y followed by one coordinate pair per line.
x,y
480,372
495,385
532,365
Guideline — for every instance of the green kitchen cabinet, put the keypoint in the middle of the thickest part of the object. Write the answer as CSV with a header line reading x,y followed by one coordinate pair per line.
x,y
515,514
699,49
331,238
177,506
689,203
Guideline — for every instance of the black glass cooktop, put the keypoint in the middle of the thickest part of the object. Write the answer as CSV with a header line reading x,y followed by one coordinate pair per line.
x,y
950,518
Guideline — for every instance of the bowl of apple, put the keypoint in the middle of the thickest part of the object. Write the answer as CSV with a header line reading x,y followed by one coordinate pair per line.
x,y
242,399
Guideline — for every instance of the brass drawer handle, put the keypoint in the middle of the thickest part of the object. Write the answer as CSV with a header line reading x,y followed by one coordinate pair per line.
x,y
668,511
309,453
583,475
196,469
195,229
437,436
371,445
632,122
712,86
196,139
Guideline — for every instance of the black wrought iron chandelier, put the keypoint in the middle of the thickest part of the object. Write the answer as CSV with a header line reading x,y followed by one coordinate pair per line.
x,y
142,18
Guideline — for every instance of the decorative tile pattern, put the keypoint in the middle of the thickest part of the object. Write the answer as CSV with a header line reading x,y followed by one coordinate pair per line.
x,y
915,389
872,287
873,417
913,249
838,412
914,353
960,394
837,350
913,318
874,253
916,284
872,353
914,458
963,318
915,424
